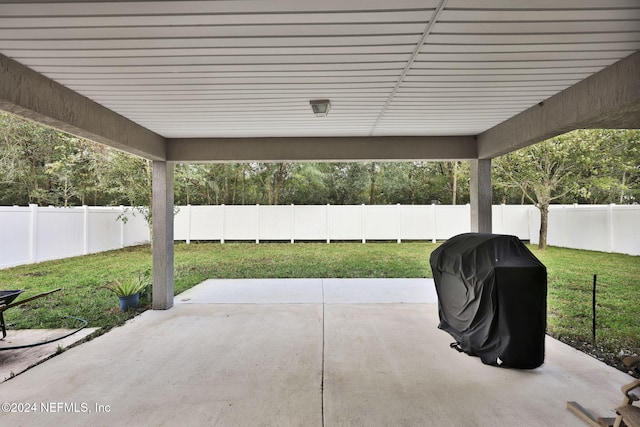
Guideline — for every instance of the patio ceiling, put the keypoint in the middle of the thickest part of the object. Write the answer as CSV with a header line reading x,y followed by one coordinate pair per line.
x,y
228,72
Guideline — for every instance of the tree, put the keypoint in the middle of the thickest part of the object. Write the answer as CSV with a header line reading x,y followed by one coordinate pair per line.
x,y
76,166
127,179
373,170
611,165
347,183
44,166
543,172
25,150
307,185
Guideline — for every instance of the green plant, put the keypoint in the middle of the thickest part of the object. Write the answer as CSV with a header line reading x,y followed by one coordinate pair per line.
x,y
130,285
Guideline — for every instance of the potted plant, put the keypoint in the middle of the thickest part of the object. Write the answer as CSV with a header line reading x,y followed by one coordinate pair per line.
x,y
128,290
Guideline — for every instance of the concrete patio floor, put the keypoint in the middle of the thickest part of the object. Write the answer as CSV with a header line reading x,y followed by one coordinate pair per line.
x,y
307,352
16,361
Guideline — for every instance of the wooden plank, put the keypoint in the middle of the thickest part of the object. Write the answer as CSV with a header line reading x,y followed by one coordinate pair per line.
x,y
582,413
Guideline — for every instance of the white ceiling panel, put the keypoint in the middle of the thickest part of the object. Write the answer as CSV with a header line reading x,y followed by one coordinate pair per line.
x,y
244,68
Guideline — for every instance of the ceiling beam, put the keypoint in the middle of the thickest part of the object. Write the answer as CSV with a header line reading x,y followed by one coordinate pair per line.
x,y
398,148
609,99
32,96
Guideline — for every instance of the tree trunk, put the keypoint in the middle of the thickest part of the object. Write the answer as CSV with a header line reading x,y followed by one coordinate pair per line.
x,y
454,183
244,178
372,185
235,184
544,221
280,177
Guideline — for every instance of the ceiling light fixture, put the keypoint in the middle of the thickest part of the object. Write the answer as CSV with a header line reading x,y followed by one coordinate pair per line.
x,y
320,107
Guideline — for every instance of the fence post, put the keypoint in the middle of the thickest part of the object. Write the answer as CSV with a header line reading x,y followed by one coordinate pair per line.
x,y
564,226
85,229
188,224
610,228
363,228
435,223
399,223
33,234
224,214
293,223
121,227
327,214
257,223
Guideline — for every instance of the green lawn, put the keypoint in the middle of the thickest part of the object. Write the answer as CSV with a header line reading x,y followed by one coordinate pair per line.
x,y
569,303
570,276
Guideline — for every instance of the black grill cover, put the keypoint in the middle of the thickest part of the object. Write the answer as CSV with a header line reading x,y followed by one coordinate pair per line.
x,y
492,298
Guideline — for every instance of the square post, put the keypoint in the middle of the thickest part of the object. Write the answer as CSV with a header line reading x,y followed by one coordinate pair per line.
x,y
162,235
481,195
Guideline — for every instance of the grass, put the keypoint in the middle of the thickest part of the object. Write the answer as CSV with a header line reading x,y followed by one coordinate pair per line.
x,y
570,274
84,279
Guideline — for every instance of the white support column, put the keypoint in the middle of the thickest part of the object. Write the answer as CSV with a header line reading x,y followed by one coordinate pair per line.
x,y
162,239
481,196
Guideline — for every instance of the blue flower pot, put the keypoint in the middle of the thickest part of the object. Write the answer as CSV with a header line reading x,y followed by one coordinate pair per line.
x,y
129,301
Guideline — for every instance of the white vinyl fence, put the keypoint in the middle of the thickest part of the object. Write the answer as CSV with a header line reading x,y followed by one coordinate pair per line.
x,y
330,223
32,234
606,228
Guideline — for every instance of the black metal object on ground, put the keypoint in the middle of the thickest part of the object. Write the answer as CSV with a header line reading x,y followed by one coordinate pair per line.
x,y
6,298
6,302
492,298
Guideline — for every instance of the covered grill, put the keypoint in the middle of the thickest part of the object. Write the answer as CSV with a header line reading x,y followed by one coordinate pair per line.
x,y
492,298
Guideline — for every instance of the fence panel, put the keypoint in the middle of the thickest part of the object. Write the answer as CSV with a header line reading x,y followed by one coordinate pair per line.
x,y
381,222
586,228
275,223
417,222
310,222
241,222
105,231
452,220
511,219
60,233
33,234
625,229
209,222
345,223
15,236
135,231
606,228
